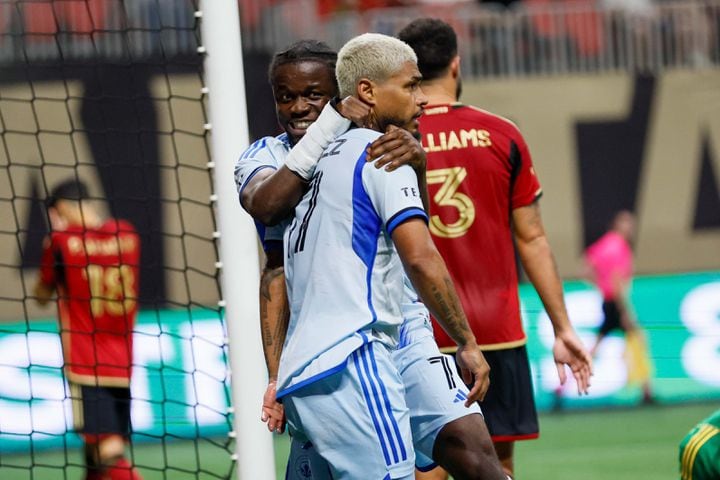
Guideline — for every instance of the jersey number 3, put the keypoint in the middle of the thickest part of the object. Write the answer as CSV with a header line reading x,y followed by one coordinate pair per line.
x,y
448,196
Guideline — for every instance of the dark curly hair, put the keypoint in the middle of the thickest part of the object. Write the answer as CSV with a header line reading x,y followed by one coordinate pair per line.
x,y
70,189
434,43
301,51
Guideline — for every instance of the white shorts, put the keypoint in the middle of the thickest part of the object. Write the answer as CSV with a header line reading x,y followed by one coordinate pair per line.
x,y
357,418
434,393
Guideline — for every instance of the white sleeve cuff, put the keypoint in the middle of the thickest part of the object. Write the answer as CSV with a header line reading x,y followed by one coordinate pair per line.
x,y
305,154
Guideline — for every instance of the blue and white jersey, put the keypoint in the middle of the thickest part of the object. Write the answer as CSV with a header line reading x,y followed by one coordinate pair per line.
x,y
268,152
416,324
345,280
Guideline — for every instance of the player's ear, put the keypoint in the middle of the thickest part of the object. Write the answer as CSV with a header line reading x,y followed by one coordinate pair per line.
x,y
455,66
366,91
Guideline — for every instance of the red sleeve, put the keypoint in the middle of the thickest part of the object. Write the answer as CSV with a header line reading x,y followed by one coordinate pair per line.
x,y
47,263
526,186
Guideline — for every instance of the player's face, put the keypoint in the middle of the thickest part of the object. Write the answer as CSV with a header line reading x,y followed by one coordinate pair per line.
x,y
400,101
625,225
301,91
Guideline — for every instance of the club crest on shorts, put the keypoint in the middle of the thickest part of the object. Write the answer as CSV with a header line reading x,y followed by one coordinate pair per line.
x,y
302,467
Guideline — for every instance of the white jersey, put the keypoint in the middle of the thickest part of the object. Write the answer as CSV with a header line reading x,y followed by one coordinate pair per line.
x,y
345,279
267,152
270,152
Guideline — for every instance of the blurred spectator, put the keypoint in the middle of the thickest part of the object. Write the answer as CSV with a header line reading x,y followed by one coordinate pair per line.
x,y
609,264
574,26
505,3
694,33
635,21
326,7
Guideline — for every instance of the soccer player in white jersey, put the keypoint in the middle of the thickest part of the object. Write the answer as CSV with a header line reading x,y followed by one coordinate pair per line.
x,y
300,82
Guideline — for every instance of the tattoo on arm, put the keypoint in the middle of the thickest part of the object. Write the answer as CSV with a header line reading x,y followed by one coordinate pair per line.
x,y
274,316
267,279
450,311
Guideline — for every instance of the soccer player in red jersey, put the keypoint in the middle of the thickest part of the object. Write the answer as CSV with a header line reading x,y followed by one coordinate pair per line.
x,y
92,264
484,194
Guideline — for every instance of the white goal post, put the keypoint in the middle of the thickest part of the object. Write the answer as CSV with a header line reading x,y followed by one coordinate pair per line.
x,y
238,251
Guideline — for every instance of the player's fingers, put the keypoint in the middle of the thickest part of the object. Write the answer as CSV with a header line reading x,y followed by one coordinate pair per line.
x,y
399,161
584,356
384,159
382,146
278,425
281,427
394,159
477,393
562,375
583,379
474,394
354,110
589,363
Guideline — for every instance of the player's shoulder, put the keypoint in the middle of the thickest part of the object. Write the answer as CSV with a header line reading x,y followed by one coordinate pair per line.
x,y
361,135
117,225
714,419
488,118
266,144
351,144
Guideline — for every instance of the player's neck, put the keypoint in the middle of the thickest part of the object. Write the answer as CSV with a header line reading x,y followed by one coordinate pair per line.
x,y
86,220
440,91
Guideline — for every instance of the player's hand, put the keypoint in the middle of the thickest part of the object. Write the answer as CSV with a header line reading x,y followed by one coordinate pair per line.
x,y
473,367
395,148
569,350
273,412
354,110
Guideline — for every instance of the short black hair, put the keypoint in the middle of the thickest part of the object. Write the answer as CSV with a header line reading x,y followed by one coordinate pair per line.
x,y
434,43
310,50
71,189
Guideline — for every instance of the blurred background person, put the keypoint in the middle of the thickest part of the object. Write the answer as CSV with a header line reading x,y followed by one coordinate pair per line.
x,y
92,265
609,265
700,450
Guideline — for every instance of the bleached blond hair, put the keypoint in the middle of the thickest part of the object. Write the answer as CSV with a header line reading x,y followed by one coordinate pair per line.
x,y
373,56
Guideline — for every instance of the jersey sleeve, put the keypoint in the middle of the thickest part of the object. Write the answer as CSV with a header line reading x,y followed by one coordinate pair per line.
x,y
272,237
253,160
395,195
525,184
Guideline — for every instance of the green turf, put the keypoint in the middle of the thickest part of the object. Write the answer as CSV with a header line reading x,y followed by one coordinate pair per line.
x,y
635,444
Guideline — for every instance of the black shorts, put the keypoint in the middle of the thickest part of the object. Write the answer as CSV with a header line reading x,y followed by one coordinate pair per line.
x,y
611,320
101,410
509,405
